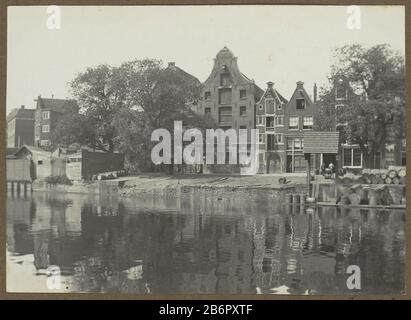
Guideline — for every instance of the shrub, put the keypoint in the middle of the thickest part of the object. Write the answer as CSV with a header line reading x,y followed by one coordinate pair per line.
x,y
58,180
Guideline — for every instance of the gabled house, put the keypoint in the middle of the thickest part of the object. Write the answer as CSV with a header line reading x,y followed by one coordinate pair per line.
x,y
228,95
270,125
299,117
48,111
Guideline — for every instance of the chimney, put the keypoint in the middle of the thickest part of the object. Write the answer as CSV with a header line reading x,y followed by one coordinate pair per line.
x,y
22,106
315,92
171,64
270,84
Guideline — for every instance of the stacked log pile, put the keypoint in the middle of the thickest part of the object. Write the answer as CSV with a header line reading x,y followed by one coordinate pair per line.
x,y
373,187
392,175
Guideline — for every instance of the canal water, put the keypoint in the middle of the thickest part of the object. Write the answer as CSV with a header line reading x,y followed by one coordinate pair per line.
x,y
199,244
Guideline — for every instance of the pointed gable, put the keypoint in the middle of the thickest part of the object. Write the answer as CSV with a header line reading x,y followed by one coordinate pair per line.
x,y
271,92
297,98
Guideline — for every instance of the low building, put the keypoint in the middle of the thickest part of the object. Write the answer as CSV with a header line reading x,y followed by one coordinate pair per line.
x,y
83,164
20,127
48,112
41,160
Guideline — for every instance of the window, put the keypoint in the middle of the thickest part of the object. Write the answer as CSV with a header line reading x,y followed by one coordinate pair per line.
x,y
270,142
225,114
289,142
269,106
293,123
269,122
45,128
224,96
279,107
261,138
44,143
297,144
340,93
260,107
225,79
243,127
308,122
280,120
260,120
243,94
338,106
207,95
243,111
207,110
280,138
46,115
352,157
37,131
300,104
39,162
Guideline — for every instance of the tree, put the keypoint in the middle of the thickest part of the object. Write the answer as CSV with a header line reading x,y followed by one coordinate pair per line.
x,y
374,111
121,106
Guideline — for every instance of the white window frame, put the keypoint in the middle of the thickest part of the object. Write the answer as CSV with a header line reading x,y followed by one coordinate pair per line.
x,y
44,143
312,122
280,117
43,128
351,148
45,115
262,123
298,122
261,138
280,141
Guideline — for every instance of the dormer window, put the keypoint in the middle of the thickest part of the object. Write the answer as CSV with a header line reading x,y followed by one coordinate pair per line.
x,y
300,104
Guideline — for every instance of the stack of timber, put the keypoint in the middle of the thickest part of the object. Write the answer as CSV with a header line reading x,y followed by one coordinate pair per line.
x,y
392,175
373,187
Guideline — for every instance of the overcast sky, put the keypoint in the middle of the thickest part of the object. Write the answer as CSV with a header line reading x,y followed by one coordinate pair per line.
x,y
283,44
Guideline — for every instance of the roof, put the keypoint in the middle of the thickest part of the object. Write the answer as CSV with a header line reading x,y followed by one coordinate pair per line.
x,y
32,150
187,76
21,113
58,105
321,142
271,90
225,53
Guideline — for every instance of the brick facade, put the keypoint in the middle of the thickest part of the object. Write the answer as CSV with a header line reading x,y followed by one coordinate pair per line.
x,y
20,127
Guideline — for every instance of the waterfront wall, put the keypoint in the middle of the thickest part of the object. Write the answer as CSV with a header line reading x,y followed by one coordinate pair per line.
x,y
127,189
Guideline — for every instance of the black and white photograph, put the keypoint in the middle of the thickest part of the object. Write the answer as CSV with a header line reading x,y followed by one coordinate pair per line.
x,y
207,149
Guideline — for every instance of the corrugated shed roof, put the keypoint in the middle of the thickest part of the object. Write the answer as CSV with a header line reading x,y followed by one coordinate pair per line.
x,y
321,142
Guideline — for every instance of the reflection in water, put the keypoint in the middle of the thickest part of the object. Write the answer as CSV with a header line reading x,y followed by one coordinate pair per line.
x,y
195,244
